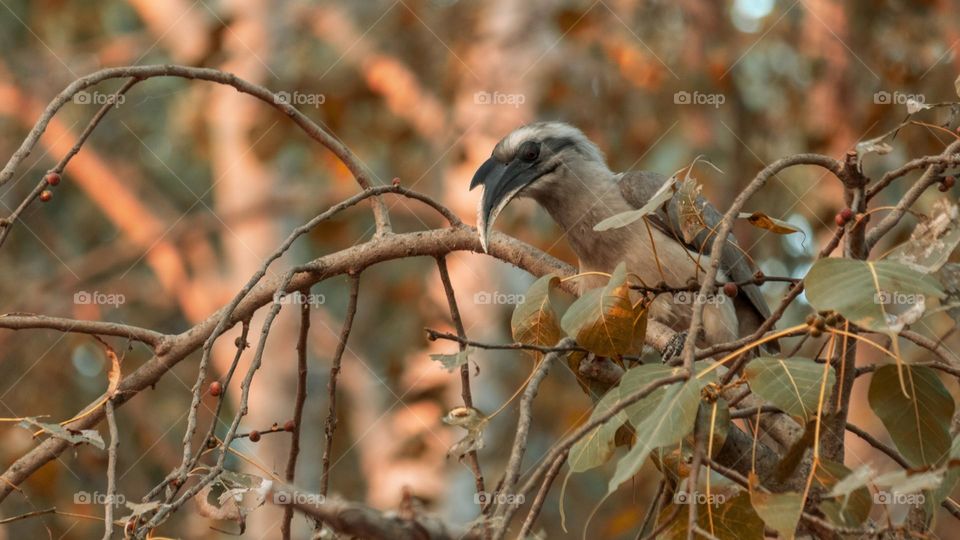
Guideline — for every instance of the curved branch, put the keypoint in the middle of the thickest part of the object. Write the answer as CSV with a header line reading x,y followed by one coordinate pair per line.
x,y
431,243
942,160
311,128
505,511
928,178
17,321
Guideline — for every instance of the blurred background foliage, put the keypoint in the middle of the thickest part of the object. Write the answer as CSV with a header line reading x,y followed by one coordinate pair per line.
x,y
185,187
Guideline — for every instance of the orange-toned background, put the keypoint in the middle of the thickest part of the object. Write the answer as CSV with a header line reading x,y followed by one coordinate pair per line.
x,y
185,187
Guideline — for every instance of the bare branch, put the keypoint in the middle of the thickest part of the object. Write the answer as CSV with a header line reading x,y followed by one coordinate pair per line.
x,y
331,424
291,470
472,460
504,511
311,128
27,321
111,470
927,179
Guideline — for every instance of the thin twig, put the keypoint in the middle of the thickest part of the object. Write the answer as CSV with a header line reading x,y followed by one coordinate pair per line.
x,y
465,392
29,321
876,443
663,526
311,128
692,481
542,495
6,224
111,470
505,510
587,427
654,509
434,335
291,471
331,425
930,177
726,226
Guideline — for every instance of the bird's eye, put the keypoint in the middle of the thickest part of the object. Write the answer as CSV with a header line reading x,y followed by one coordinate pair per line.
x,y
529,151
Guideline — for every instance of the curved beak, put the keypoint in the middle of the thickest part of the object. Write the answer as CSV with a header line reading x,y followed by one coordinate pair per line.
x,y
501,183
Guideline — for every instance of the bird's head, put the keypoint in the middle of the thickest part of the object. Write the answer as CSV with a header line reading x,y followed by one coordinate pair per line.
x,y
531,160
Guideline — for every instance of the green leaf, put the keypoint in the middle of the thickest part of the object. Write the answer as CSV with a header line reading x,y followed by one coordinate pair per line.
x,y
792,384
603,320
734,519
713,417
950,477
72,436
535,321
848,513
451,362
670,421
918,423
674,461
780,511
878,295
626,218
596,448
636,378
857,479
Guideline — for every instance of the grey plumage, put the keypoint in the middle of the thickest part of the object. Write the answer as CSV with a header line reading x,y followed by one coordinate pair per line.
x,y
556,165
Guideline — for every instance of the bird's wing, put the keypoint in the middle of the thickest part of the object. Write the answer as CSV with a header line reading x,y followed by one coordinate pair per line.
x,y
638,187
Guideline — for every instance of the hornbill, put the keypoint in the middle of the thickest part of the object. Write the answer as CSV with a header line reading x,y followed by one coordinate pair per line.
x,y
559,167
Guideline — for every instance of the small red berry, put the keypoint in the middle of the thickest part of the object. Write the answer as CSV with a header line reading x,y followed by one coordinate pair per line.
x,y
216,388
289,426
254,436
847,214
949,181
396,181
839,220
46,195
52,178
730,289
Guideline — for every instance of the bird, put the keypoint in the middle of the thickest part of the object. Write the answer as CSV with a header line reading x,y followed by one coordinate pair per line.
x,y
557,166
